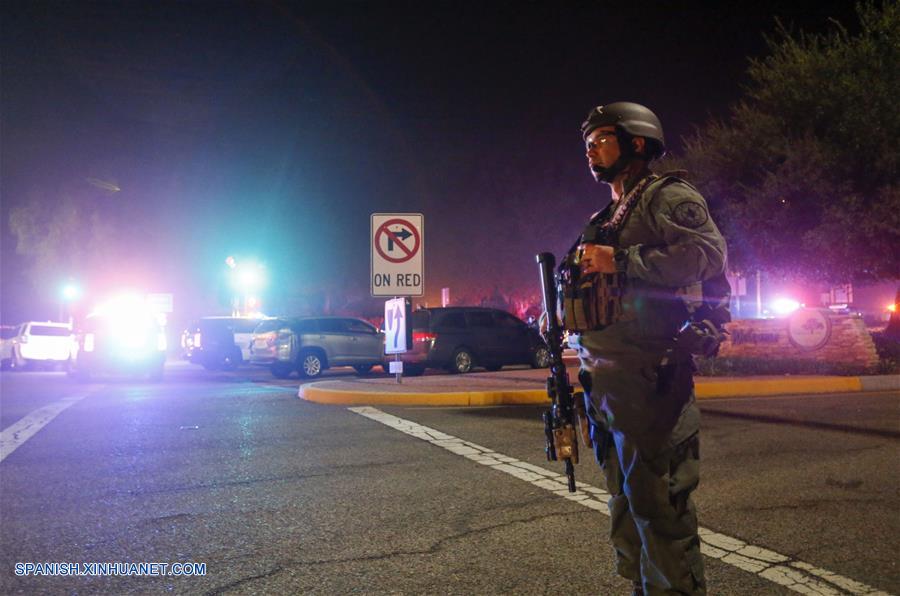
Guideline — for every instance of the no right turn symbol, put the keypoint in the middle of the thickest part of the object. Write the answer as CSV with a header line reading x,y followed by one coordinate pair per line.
x,y
397,240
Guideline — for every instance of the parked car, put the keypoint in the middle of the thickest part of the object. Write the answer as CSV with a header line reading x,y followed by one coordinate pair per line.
x,y
219,343
120,338
460,338
310,345
40,343
264,346
7,341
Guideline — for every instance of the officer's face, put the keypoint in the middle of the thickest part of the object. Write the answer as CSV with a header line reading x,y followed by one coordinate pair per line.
x,y
602,150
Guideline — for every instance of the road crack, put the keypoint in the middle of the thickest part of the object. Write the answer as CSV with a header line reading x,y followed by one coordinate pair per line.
x,y
436,547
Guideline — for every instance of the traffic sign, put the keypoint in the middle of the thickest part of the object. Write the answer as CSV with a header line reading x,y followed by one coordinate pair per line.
x,y
397,254
397,326
160,302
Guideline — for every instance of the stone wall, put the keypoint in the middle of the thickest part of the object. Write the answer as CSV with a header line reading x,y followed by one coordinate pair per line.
x,y
807,335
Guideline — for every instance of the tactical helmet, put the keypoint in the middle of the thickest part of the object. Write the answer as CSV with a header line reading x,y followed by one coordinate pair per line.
x,y
629,118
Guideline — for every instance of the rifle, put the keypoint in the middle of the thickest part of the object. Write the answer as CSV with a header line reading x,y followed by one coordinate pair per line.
x,y
561,419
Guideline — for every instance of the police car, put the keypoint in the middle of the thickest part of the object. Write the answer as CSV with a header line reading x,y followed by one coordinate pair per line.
x,y
123,336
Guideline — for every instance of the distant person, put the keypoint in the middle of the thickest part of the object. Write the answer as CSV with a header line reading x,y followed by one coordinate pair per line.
x,y
625,284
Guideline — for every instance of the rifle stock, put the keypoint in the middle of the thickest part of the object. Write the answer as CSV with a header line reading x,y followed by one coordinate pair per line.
x,y
560,420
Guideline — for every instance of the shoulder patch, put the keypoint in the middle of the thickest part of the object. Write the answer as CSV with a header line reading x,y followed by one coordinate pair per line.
x,y
690,214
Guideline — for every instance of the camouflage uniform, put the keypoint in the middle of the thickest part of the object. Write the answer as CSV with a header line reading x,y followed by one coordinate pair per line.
x,y
641,387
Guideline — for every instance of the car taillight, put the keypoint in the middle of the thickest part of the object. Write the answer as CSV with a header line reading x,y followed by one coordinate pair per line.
x,y
423,336
88,342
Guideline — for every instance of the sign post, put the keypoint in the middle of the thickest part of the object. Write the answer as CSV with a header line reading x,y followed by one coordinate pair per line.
x,y
397,269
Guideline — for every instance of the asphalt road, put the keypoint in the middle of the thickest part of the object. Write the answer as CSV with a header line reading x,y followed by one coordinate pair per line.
x,y
277,495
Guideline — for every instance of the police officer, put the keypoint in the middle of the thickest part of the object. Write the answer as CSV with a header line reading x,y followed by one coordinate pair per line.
x,y
653,245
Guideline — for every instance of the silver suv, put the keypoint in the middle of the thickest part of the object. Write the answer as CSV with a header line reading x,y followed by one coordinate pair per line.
x,y
310,345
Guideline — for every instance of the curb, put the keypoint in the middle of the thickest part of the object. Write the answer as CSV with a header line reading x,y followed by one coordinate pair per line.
x,y
704,389
707,389
455,398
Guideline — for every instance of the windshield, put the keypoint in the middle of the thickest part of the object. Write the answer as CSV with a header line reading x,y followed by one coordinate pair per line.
x,y
421,319
267,326
49,331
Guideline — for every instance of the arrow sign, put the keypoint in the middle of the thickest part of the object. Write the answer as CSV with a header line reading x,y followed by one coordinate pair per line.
x,y
397,330
397,317
402,235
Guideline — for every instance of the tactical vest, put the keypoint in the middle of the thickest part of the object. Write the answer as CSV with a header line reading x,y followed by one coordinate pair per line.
x,y
594,301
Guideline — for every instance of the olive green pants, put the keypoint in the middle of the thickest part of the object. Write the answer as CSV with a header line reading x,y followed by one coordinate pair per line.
x,y
649,449
653,522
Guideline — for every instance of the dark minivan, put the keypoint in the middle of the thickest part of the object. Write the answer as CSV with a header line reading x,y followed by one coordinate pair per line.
x,y
219,343
459,338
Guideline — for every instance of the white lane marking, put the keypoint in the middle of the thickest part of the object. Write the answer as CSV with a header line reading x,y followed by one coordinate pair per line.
x,y
780,569
14,435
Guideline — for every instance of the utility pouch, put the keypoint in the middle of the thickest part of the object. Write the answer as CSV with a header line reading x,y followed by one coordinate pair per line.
x,y
592,302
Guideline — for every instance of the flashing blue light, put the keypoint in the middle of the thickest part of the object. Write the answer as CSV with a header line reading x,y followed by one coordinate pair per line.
x,y
71,292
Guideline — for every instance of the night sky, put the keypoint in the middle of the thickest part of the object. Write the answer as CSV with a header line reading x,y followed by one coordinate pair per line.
x,y
272,130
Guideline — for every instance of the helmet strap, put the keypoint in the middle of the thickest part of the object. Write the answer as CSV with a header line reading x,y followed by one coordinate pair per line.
x,y
626,156
609,174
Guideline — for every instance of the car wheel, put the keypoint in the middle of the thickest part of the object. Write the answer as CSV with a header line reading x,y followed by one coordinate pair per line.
x,y
541,358
232,360
17,362
281,370
311,365
363,369
462,361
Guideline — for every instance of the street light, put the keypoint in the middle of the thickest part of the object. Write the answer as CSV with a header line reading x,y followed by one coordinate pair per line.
x,y
247,278
69,293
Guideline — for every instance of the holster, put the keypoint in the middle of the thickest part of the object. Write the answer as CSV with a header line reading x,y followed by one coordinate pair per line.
x,y
600,437
674,388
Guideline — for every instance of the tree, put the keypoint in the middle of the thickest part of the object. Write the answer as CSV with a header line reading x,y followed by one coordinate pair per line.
x,y
62,238
803,173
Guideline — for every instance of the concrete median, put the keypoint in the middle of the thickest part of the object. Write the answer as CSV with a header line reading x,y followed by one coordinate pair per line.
x,y
521,387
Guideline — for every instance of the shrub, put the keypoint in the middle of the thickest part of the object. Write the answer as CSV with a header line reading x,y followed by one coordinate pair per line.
x,y
888,353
